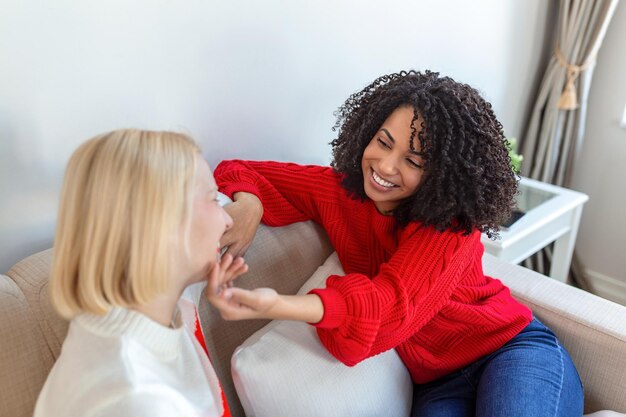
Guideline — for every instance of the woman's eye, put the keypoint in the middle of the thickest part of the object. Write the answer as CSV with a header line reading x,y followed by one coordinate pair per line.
x,y
383,143
413,163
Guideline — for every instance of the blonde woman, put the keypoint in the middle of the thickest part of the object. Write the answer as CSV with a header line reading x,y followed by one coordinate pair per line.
x,y
138,234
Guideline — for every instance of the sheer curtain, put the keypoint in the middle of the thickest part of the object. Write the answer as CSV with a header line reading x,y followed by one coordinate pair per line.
x,y
555,133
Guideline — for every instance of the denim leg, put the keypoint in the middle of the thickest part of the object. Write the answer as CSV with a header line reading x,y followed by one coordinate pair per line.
x,y
532,375
450,396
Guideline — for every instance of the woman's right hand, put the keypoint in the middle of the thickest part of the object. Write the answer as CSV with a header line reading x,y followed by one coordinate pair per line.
x,y
264,303
246,211
240,304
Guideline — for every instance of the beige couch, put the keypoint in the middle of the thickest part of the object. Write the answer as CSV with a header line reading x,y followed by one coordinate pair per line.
x,y
31,334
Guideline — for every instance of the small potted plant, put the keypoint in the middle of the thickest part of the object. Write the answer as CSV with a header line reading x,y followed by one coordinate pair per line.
x,y
516,165
516,159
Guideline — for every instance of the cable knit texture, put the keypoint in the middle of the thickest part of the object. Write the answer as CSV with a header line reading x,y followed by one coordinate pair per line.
x,y
415,289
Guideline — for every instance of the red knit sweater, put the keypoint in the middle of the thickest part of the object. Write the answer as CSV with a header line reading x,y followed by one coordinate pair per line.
x,y
415,289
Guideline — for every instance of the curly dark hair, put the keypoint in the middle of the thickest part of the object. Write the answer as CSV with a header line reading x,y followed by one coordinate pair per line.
x,y
468,180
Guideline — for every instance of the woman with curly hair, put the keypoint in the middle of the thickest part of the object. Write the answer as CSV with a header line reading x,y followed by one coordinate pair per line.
x,y
420,170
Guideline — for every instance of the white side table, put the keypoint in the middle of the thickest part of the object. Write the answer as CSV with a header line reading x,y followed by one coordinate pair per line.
x,y
552,215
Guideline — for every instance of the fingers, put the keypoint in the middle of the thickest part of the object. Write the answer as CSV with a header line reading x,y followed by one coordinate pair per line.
x,y
224,273
226,261
214,284
233,268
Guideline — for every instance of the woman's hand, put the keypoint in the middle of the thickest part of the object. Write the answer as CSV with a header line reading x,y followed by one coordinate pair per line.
x,y
246,211
264,303
240,304
224,272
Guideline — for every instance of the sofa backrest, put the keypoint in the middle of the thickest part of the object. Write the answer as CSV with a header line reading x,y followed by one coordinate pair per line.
x,y
31,332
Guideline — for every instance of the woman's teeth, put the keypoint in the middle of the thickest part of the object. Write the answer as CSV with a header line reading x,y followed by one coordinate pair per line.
x,y
381,181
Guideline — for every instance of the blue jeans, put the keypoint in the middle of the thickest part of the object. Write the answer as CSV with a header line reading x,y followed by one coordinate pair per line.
x,y
531,375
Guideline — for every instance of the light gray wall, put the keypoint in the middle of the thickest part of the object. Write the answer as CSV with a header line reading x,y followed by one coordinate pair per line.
x,y
248,79
601,169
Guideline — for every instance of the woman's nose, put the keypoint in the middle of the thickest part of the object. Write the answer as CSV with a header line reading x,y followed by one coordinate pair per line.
x,y
228,220
388,164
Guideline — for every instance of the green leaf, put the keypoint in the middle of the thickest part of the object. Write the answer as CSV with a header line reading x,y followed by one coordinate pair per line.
x,y
516,159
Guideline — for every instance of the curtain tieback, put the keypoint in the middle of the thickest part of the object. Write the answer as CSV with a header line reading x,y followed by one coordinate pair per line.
x,y
569,100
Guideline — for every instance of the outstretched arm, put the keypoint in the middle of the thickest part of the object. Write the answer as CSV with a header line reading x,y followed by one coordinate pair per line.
x,y
262,303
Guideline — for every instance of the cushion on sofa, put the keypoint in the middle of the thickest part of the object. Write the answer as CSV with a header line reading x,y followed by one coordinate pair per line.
x,y
283,370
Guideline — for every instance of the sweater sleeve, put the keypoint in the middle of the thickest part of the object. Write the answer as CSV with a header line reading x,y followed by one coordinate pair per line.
x,y
365,316
289,192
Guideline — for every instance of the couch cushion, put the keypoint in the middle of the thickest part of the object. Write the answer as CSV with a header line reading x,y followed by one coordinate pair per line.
x,y
283,370
25,358
591,328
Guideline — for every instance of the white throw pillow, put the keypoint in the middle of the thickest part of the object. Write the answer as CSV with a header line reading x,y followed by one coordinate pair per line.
x,y
283,370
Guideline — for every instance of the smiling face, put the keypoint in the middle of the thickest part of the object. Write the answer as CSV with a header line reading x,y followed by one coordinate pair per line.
x,y
391,170
208,223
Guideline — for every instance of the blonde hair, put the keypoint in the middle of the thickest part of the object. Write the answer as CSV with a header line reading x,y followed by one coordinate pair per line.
x,y
126,194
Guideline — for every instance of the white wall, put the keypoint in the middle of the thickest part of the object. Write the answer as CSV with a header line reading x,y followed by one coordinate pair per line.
x,y
601,170
249,79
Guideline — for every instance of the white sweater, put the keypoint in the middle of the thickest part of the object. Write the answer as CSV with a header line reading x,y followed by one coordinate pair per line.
x,y
125,364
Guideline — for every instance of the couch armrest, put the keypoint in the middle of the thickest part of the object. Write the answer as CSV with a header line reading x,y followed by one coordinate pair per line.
x,y
25,359
591,328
